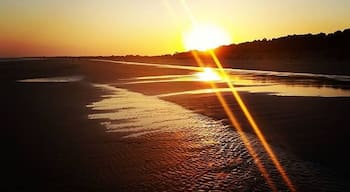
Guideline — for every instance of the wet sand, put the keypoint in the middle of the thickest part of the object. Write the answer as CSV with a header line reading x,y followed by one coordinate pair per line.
x,y
310,126
52,145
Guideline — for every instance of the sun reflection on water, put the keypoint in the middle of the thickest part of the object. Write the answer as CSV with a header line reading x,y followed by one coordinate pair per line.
x,y
273,84
208,74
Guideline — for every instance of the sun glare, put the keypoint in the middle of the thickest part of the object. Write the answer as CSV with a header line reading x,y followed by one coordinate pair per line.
x,y
208,74
205,37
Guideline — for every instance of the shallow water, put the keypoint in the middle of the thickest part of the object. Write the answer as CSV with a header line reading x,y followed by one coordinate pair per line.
x,y
22,59
279,90
216,158
136,114
273,85
63,79
253,81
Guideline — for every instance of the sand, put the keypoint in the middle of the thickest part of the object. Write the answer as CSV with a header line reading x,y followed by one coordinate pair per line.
x,y
51,145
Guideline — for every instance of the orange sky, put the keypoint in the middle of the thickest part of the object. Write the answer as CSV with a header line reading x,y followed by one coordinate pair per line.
x,y
152,27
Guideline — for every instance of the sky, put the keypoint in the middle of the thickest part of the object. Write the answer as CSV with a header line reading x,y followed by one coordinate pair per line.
x,y
153,27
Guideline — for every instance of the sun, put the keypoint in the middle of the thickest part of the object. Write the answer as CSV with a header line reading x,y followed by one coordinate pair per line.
x,y
205,37
208,74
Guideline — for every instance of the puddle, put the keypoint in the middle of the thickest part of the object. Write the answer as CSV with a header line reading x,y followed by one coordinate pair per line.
x,y
136,114
62,79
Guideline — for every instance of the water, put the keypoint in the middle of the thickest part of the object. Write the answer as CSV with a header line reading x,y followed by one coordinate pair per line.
x,y
136,114
63,79
253,81
22,59
293,85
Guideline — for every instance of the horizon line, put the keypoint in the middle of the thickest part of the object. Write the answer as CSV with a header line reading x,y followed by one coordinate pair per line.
x,y
176,52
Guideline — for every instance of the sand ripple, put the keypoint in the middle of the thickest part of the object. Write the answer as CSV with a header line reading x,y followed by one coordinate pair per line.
x,y
209,155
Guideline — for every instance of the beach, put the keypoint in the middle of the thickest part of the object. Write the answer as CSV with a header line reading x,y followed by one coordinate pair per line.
x,y
74,124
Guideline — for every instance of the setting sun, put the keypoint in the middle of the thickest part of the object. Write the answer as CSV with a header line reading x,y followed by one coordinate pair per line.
x,y
204,37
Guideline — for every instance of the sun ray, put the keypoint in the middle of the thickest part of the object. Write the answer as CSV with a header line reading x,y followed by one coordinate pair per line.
x,y
239,129
254,125
188,11
246,112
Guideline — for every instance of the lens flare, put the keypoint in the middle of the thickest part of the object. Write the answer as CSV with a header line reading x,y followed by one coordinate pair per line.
x,y
198,40
239,130
254,125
